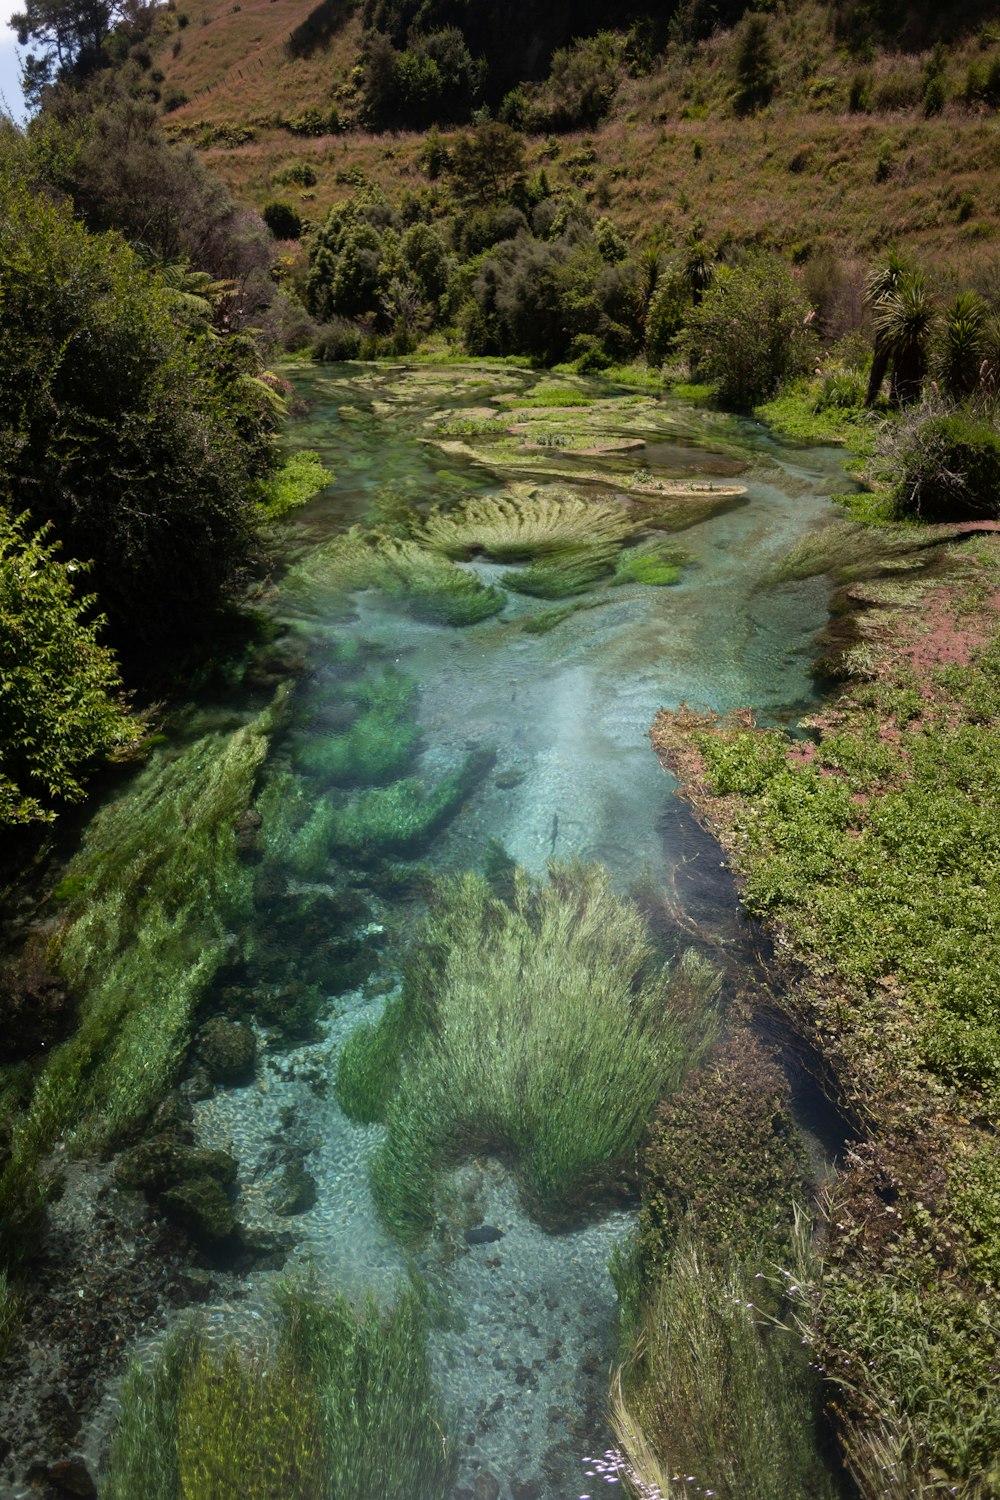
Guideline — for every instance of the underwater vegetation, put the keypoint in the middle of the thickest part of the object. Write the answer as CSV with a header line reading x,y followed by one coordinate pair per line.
x,y
432,587
569,543
527,523
543,1028
380,742
715,1393
339,1405
147,927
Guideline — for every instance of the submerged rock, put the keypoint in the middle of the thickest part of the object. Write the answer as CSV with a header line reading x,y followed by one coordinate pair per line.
x,y
164,1162
483,1234
202,1207
294,1192
228,1050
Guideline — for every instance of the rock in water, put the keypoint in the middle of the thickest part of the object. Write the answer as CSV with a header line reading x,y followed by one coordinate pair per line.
x,y
483,1234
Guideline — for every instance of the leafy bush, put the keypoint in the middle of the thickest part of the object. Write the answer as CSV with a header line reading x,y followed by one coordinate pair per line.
x,y
948,467
337,340
60,713
543,1029
282,219
142,442
750,331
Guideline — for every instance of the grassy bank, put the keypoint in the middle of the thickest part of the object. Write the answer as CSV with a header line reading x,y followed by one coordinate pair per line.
x,y
871,851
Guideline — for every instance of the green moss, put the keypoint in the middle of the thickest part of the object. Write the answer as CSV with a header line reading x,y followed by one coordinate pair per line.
x,y
725,1151
550,1033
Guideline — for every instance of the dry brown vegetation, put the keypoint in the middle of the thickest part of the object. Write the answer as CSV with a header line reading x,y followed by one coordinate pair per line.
x,y
804,175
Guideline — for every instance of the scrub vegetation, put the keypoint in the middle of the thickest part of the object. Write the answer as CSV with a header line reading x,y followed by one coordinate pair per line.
x,y
543,1029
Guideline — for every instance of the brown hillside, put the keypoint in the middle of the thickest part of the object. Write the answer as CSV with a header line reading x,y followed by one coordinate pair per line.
x,y
804,174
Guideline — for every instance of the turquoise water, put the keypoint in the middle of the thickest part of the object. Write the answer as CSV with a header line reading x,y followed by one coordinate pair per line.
x,y
557,724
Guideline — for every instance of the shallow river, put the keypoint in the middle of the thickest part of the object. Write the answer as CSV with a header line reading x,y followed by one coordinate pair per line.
x,y
526,1333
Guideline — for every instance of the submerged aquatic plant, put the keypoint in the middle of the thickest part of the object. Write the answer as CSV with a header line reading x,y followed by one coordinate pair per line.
x,y
526,523
157,888
432,587
378,745
715,1401
339,1405
543,1029
657,564
402,816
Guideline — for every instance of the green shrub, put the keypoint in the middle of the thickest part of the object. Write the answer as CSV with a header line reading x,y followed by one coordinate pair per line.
x,y
282,220
336,341
544,1030
948,468
750,332
60,713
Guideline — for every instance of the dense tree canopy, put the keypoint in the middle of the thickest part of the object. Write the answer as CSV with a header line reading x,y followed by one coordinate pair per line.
x,y
139,435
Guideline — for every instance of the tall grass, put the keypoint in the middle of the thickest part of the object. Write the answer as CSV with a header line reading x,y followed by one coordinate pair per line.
x,y
714,1397
338,1405
543,1029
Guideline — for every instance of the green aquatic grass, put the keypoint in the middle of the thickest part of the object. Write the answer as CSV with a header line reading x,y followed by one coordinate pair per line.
x,y
550,393
401,817
714,1396
563,574
384,1429
657,565
9,1313
544,1030
431,586
368,1066
299,479
378,746
526,525
158,888
848,552
338,1405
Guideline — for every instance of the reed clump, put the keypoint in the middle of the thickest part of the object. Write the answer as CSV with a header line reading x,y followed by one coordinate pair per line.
x,y
338,1405
542,1028
717,1400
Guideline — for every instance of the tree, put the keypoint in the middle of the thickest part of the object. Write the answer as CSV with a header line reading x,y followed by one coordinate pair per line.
x,y
488,163
755,64
142,438
963,345
61,711
904,323
750,332
70,35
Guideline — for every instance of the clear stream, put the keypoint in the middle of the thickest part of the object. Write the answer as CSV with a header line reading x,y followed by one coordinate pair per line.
x,y
526,1333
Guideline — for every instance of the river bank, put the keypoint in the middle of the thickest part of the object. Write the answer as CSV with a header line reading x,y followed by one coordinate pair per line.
x,y
869,849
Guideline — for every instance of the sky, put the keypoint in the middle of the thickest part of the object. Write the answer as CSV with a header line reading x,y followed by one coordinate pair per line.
x,y
10,87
